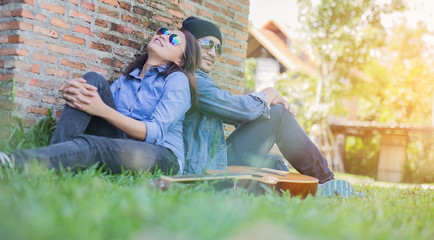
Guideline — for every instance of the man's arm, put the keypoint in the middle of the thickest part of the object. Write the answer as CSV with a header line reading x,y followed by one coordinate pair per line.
x,y
234,109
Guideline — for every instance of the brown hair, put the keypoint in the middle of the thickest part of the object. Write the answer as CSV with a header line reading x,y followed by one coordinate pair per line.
x,y
191,63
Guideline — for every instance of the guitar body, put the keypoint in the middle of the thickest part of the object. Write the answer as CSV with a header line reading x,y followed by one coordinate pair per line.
x,y
255,180
296,184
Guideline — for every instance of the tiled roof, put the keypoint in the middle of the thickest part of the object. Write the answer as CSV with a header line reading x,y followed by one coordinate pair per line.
x,y
268,37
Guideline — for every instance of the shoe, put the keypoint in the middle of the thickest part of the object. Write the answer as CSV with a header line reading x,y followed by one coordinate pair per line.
x,y
6,161
335,188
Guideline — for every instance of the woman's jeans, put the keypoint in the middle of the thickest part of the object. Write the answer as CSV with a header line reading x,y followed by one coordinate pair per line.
x,y
81,140
249,144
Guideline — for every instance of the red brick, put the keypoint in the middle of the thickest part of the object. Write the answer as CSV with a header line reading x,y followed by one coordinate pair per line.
x,y
37,110
222,2
59,23
110,13
125,5
46,32
141,35
156,5
219,19
121,28
110,37
28,14
73,39
34,42
81,29
130,43
4,39
242,37
236,7
111,2
58,113
227,13
24,94
88,5
52,100
187,6
243,20
4,77
143,12
128,18
2,65
233,62
59,49
79,15
41,84
26,67
53,8
212,6
9,25
112,62
101,47
75,2
176,13
204,13
7,51
160,18
101,23
124,53
102,71
56,72
44,57
71,64
81,54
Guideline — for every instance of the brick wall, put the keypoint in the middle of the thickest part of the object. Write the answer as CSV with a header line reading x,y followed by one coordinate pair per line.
x,y
45,43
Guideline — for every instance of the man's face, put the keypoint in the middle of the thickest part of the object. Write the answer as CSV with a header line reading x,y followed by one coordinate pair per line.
x,y
209,56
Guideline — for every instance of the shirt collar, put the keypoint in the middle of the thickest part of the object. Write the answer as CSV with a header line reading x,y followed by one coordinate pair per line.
x,y
136,72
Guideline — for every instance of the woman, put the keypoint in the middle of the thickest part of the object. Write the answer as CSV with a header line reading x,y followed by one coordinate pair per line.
x,y
145,131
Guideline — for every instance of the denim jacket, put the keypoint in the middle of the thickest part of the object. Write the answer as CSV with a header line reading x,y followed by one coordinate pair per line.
x,y
204,139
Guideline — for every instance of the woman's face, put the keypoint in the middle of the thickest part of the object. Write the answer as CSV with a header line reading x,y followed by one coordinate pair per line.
x,y
161,47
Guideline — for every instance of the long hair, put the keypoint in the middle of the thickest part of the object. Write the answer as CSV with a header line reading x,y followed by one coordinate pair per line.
x,y
191,63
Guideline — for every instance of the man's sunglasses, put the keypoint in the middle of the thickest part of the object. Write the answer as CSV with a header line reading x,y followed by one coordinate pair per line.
x,y
174,39
208,44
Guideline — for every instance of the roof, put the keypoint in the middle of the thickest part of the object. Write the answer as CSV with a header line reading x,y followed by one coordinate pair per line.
x,y
272,37
353,127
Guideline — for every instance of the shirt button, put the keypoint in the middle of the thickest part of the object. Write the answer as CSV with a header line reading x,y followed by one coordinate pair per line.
x,y
119,89
129,109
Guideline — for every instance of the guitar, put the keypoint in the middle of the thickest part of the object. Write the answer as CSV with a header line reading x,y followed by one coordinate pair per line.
x,y
255,180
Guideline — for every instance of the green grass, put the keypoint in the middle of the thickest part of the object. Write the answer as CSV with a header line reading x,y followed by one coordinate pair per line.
x,y
38,203
41,204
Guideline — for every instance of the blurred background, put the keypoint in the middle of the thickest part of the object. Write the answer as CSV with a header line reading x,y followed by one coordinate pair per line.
x,y
360,76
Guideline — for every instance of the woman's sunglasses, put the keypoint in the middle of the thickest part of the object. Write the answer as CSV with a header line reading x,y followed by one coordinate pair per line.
x,y
174,39
208,44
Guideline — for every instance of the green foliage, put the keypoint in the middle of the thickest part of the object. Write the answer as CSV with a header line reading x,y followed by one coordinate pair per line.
x,y
41,204
13,134
249,76
362,154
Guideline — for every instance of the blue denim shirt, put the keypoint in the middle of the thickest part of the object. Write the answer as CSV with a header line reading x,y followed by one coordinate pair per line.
x,y
160,103
204,140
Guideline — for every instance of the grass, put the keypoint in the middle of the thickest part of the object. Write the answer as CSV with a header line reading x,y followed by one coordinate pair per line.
x,y
38,203
41,204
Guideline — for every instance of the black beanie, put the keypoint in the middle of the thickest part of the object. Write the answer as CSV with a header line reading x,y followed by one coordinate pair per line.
x,y
201,28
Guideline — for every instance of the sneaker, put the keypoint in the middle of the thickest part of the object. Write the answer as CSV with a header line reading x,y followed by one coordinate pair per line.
x,y
339,188
5,160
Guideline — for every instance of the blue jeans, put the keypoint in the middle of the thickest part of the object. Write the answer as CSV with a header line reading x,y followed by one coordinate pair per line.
x,y
250,143
81,140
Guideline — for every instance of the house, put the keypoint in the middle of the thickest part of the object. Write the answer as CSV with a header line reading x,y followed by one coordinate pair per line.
x,y
276,52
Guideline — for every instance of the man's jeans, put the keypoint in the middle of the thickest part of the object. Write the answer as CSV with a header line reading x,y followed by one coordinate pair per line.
x,y
81,140
249,144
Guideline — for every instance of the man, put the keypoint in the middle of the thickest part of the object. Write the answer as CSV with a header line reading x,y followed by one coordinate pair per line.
x,y
262,119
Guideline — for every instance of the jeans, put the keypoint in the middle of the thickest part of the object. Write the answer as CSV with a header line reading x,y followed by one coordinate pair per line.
x,y
250,143
81,140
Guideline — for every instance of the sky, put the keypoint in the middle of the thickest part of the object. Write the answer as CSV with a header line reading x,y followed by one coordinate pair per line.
x,y
287,11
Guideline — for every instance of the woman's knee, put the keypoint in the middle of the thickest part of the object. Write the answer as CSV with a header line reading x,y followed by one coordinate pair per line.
x,y
95,79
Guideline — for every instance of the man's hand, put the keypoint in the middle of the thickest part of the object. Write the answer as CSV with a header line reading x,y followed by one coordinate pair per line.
x,y
77,92
280,100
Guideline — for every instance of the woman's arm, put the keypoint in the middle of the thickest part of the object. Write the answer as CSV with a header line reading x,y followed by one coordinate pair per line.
x,y
96,107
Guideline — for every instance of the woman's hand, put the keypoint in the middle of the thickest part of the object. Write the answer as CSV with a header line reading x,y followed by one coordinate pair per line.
x,y
77,92
90,105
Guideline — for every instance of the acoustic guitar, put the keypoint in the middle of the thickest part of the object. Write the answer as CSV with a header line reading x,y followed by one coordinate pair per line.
x,y
255,180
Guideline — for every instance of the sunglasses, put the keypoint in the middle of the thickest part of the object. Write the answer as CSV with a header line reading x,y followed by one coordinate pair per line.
x,y
174,39
208,44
